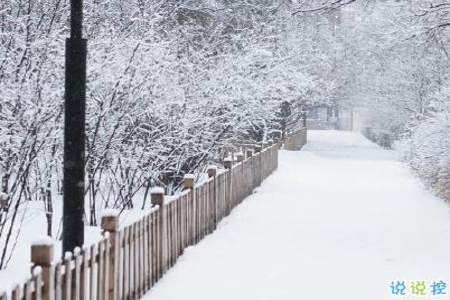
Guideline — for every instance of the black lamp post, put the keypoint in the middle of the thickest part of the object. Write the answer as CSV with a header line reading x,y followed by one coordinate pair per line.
x,y
74,131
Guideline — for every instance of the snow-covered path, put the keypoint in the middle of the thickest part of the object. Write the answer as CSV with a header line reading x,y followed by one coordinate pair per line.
x,y
339,220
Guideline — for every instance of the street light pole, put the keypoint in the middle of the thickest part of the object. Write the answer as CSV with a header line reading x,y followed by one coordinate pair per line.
x,y
74,131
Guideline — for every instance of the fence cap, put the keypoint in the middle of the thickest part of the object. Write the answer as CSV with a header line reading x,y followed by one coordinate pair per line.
x,y
42,251
110,220
212,171
37,271
76,251
68,256
157,196
189,181
228,162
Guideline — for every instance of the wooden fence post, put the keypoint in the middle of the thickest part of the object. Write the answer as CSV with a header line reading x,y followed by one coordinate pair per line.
x,y
258,149
110,223
228,164
212,171
250,171
157,198
3,201
188,181
42,253
241,178
305,136
188,184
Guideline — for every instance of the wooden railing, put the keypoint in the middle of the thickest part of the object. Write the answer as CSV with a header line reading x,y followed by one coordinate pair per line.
x,y
129,260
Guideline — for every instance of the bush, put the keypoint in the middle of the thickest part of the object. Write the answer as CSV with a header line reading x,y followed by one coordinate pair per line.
x,y
429,152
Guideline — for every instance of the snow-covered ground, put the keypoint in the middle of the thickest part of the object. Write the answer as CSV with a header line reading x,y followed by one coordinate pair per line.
x,y
339,220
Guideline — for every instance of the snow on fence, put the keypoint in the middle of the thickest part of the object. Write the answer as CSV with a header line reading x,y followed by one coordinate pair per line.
x,y
128,261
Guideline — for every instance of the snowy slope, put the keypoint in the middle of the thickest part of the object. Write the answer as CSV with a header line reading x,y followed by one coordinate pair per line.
x,y
339,220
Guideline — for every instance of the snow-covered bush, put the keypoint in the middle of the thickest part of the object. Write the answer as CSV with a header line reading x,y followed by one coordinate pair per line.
x,y
428,148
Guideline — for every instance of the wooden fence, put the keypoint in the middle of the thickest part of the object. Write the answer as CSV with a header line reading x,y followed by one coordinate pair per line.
x,y
128,261
296,140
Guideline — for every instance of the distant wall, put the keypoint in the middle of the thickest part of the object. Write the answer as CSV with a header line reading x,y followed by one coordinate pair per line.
x,y
296,140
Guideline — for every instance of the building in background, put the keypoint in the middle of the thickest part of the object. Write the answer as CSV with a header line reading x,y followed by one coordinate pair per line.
x,y
328,117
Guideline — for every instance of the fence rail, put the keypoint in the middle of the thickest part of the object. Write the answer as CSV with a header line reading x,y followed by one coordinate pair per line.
x,y
128,261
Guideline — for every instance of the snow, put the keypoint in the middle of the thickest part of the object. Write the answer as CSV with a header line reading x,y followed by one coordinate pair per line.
x,y
77,250
110,213
43,241
128,217
37,270
68,255
157,190
340,219
189,176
